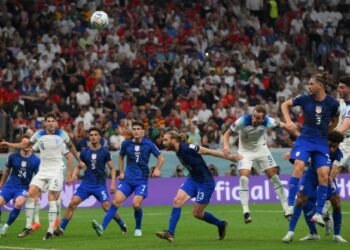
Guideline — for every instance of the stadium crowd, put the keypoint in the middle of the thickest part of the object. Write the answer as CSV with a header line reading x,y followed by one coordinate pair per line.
x,y
191,66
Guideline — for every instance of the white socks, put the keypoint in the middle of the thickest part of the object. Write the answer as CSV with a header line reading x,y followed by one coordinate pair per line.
x,y
58,204
52,215
37,211
326,206
29,212
244,193
277,185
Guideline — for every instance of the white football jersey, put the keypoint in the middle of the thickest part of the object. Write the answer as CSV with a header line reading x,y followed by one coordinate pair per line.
x,y
344,110
252,138
52,147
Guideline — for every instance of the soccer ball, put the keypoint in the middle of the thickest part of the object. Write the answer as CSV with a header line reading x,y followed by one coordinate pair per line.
x,y
99,20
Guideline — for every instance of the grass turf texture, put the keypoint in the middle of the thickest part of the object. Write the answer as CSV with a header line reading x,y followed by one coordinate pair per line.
x,y
265,232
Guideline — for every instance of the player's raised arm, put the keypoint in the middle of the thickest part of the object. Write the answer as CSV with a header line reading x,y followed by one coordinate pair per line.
x,y
111,167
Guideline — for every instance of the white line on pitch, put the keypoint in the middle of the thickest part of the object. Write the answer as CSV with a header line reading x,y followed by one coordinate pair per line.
x,y
25,248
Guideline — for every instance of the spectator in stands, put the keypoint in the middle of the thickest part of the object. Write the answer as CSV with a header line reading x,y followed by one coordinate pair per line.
x,y
116,140
232,170
179,172
213,170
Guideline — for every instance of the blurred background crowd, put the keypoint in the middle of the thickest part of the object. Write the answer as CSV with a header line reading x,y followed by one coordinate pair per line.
x,y
191,66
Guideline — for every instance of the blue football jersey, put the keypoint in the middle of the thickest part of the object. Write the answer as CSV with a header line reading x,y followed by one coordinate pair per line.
x,y
22,169
317,115
95,162
138,155
194,162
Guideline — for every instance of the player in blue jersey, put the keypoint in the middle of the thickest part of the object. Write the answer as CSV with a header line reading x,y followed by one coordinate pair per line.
x,y
52,144
95,158
135,179
320,115
306,198
200,184
21,166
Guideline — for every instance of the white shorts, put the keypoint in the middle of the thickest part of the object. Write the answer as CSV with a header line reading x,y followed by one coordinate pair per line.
x,y
262,159
345,149
44,182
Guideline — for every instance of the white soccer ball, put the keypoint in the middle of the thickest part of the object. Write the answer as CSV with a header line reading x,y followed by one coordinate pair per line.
x,y
99,20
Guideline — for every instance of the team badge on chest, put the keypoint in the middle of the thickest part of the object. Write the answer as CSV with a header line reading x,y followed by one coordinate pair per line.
x,y
93,156
318,109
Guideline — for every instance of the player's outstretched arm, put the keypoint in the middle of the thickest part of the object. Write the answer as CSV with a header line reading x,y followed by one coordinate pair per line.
x,y
111,167
5,174
294,132
19,145
160,162
208,151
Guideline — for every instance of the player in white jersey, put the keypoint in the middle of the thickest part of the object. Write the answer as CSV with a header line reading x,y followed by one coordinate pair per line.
x,y
51,142
344,128
344,117
32,209
252,146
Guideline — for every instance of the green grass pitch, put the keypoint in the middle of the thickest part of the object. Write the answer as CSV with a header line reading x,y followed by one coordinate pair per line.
x,y
265,232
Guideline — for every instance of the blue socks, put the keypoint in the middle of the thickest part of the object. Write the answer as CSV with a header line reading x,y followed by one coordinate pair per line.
x,y
174,218
309,211
211,219
337,218
321,198
294,220
64,223
13,215
293,189
109,216
119,221
138,217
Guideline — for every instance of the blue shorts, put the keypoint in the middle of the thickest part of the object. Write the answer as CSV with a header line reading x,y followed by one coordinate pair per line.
x,y
9,193
308,187
202,191
305,150
98,191
140,187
